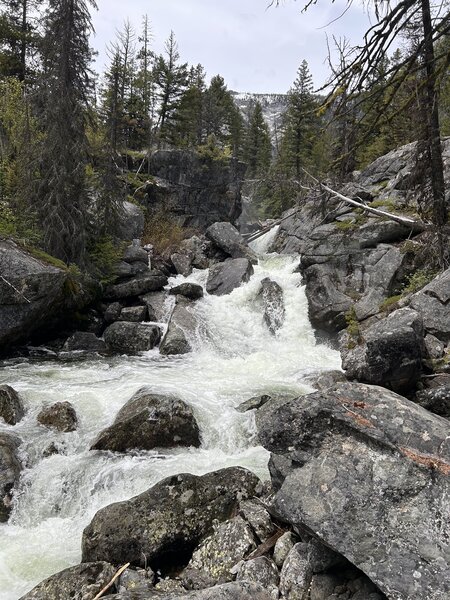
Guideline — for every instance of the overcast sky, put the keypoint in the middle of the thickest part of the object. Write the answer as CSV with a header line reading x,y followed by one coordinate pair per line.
x,y
255,48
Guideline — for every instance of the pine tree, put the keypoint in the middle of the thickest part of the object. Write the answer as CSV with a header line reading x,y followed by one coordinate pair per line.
x,y
222,118
257,146
188,130
17,37
62,197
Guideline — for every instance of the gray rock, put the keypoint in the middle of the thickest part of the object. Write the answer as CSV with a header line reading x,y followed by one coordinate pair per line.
x,y
193,291
201,250
236,590
141,284
10,469
273,300
182,262
230,542
295,576
122,269
11,405
165,523
132,221
324,380
133,314
254,512
139,580
432,303
228,239
60,416
390,354
82,582
181,329
434,347
253,403
85,341
150,421
371,482
437,400
224,277
283,546
135,253
112,312
132,338
260,570
156,306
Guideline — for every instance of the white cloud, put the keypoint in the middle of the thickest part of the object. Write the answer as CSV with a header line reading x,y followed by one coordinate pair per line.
x,y
254,48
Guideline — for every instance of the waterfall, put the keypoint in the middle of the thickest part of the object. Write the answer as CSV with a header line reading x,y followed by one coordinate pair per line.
x,y
234,357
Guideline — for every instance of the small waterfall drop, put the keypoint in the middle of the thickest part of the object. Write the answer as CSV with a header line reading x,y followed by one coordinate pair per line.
x,y
234,357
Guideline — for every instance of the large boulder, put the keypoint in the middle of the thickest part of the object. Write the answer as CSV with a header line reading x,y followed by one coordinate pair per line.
x,y
432,302
84,341
224,277
273,301
10,468
181,328
11,405
150,421
389,354
369,477
193,291
131,338
142,284
227,238
82,582
162,526
60,416
236,590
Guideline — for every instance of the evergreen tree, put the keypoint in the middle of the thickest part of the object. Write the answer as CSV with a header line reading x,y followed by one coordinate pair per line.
x,y
62,197
188,131
17,37
257,146
222,118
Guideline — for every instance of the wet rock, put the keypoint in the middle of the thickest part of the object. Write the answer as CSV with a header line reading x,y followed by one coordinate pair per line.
x,y
283,546
60,416
432,303
133,314
261,570
323,381
295,576
82,582
131,222
253,403
11,405
273,300
228,239
230,542
86,342
162,526
182,262
436,400
181,329
370,482
135,253
390,354
141,284
236,590
224,277
193,291
10,468
132,338
54,448
112,312
150,421
258,518
156,306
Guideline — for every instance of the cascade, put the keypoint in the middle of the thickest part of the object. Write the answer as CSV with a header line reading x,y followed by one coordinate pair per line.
x,y
234,357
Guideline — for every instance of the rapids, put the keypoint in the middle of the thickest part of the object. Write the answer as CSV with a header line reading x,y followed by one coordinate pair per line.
x,y
234,358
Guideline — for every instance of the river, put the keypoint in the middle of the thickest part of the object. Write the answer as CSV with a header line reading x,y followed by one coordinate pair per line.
x,y
234,358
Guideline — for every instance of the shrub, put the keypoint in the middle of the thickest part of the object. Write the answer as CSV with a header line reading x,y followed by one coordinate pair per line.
x,y
162,231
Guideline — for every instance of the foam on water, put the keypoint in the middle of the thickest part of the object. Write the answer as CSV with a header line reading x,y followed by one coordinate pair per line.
x,y
234,357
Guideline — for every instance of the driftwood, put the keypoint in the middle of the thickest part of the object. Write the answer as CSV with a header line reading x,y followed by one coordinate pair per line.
x,y
108,585
266,546
254,236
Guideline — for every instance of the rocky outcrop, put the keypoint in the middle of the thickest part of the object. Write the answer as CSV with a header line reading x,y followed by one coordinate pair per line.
x,y
60,416
10,469
181,329
162,526
11,405
151,281
224,277
195,252
131,338
273,302
229,240
131,222
82,582
367,475
389,352
196,191
433,303
150,421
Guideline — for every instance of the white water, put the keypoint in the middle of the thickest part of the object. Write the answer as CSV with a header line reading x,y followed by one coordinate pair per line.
x,y
234,358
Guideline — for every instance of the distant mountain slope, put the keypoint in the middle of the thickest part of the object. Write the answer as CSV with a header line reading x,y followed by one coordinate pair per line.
x,y
273,105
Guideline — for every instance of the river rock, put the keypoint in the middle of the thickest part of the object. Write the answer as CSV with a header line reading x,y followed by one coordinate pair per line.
x,y
437,400
181,329
60,416
112,312
260,570
236,590
224,277
272,296
11,405
295,576
82,582
258,518
84,341
193,291
139,580
283,546
135,253
133,314
390,354
141,284
228,239
253,403
10,468
432,302
216,556
370,481
150,421
156,306
131,338
163,525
